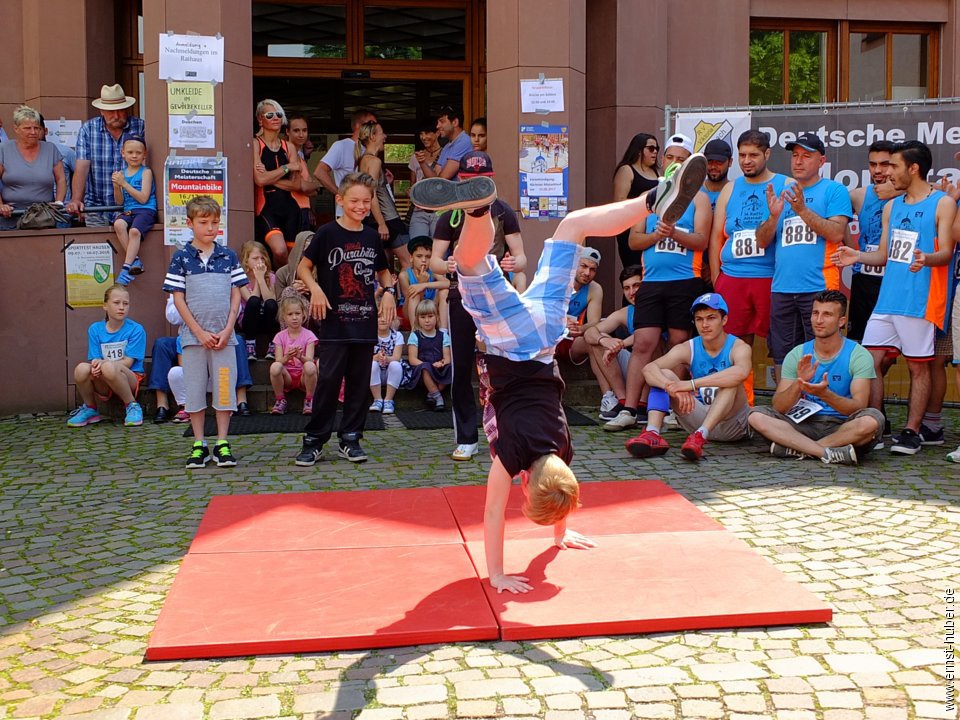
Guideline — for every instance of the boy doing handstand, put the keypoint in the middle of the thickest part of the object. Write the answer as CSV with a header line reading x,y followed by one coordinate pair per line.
x,y
528,433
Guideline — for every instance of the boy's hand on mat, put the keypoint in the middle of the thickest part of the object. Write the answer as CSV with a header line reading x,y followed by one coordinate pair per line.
x,y
511,583
573,539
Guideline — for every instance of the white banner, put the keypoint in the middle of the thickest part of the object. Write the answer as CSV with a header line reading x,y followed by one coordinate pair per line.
x,y
706,126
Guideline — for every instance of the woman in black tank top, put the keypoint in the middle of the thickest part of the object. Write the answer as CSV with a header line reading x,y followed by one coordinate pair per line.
x,y
636,173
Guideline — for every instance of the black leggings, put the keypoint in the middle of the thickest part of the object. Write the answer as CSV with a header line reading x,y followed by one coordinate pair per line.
x,y
259,318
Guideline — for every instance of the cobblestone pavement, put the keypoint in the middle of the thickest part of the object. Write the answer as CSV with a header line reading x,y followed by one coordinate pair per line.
x,y
95,522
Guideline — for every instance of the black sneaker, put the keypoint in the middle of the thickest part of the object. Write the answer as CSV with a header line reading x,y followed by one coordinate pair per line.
x,y
223,456
351,450
441,194
930,437
161,416
243,409
309,454
679,188
199,455
906,443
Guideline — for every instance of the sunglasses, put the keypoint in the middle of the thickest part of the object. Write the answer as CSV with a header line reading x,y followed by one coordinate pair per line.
x,y
652,147
272,115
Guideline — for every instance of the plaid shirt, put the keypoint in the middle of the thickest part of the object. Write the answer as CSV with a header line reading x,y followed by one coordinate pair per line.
x,y
529,326
96,144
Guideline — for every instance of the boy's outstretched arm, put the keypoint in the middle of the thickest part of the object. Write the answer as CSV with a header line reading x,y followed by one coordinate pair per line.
x,y
498,490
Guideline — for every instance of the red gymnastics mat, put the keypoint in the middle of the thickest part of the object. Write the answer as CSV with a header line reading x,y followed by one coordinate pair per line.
x,y
312,572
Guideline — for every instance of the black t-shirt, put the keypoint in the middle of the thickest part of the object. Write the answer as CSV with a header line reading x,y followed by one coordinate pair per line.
x,y
527,399
347,262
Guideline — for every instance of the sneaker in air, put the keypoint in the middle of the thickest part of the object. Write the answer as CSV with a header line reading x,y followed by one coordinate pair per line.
x,y
442,194
679,187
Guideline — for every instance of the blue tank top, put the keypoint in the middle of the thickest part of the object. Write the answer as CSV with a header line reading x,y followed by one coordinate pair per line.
x,y
427,294
136,181
870,220
746,210
921,294
713,195
668,259
578,302
630,312
703,364
838,372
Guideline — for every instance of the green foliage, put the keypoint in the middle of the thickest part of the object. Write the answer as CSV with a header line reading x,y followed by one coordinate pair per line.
x,y
766,67
807,67
329,50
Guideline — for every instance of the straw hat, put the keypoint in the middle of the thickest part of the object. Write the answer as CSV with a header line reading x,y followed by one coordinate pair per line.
x,y
112,97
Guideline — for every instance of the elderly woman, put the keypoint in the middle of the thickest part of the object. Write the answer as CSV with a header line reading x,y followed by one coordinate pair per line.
x,y
29,167
276,173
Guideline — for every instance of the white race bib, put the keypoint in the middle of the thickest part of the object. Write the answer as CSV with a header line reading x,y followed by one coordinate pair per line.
x,y
902,244
745,245
872,270
707,394
796,232
803,409
113,350
669,245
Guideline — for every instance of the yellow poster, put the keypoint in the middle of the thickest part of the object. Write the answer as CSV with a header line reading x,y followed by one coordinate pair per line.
x,y
184,98
89,271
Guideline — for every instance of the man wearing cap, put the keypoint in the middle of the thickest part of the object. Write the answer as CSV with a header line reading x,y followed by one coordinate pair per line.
x,y
719,157
740,266
584,310
711,405
99,153
808,221
819,409
672,265
508,249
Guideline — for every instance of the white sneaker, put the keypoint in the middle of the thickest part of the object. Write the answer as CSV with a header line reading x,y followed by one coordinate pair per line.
x,y
670,421
623,421
608,402
464,451
954,456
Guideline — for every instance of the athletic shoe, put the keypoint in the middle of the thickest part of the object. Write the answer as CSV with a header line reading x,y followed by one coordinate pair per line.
x,y
279,407
243,409
647,444
351,450
136,267
134,415
954,456
199,455
124,278
624,419
607,415
438,405
389,407
376,406
692,448
781,451
309,454
845,455
879,445
182,416
82,416
441,194
251,350
222,454
670,421
679,187
271,352
464,451
930,437
308,405
906,443
161,416
607,403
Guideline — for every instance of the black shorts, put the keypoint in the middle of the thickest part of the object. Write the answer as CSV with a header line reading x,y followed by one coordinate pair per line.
x,y
789,323
280,212
666,304
864,291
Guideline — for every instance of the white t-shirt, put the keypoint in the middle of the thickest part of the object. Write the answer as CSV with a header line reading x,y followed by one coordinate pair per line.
x,y
340,159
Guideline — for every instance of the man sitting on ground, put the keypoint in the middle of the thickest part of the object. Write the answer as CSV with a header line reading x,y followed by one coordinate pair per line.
x,y
829,377
711,405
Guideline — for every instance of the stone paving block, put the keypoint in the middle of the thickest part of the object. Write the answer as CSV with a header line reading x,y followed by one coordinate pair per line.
x,y
564,701
728,671
476,708
648,676
795,667
654,710
918,657
605,699
521,706
829,699
412,695
428,712
180,711
564,684
345,699
473,689
246,709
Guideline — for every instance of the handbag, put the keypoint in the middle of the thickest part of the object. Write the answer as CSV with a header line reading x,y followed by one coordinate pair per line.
x,y
41,216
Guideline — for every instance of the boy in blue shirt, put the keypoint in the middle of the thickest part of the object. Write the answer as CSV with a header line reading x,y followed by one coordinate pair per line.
x,y
133,186
205,279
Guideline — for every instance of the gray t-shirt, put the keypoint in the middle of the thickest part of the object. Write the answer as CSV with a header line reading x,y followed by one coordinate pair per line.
x,y
25,183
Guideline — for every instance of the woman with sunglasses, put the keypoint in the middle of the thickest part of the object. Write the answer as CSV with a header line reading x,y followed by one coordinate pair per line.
x,y
636,173
276,172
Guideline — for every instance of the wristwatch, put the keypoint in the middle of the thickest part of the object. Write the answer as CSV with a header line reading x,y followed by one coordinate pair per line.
x,y
392,290
286,170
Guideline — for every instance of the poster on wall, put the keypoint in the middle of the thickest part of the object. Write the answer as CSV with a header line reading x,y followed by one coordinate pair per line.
x,y
544,171
64,131
89,272
198,58
706,126
183,179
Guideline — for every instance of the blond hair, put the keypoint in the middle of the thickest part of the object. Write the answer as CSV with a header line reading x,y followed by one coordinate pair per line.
x,y
552,491
203,206
424,307
363,137
289,301
357,178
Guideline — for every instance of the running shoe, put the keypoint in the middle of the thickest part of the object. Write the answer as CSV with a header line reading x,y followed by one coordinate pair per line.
x,y
124,278
954,456
624,420
134,415
279,407
692,448
376,406
222,454
608,415
182,416
82,416
251,350
647,444
441,194
136,267
781,451
389,408
351,450
271,352
199,455
930,437
679,187
607,402
907,442
161,416
309,453
845,455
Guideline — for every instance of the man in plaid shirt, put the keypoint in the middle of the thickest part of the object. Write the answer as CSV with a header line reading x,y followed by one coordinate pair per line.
x,y
530,436
99,153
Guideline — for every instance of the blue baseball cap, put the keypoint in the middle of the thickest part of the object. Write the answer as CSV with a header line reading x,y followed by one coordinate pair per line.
x,y
710,300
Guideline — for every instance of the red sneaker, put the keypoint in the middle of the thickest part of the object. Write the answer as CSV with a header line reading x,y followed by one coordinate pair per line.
x,y
647,444
692,448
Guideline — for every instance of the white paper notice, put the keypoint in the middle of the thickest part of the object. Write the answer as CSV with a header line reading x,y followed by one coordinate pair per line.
x,y
191,57
65,131
194,132
549,184
546,96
